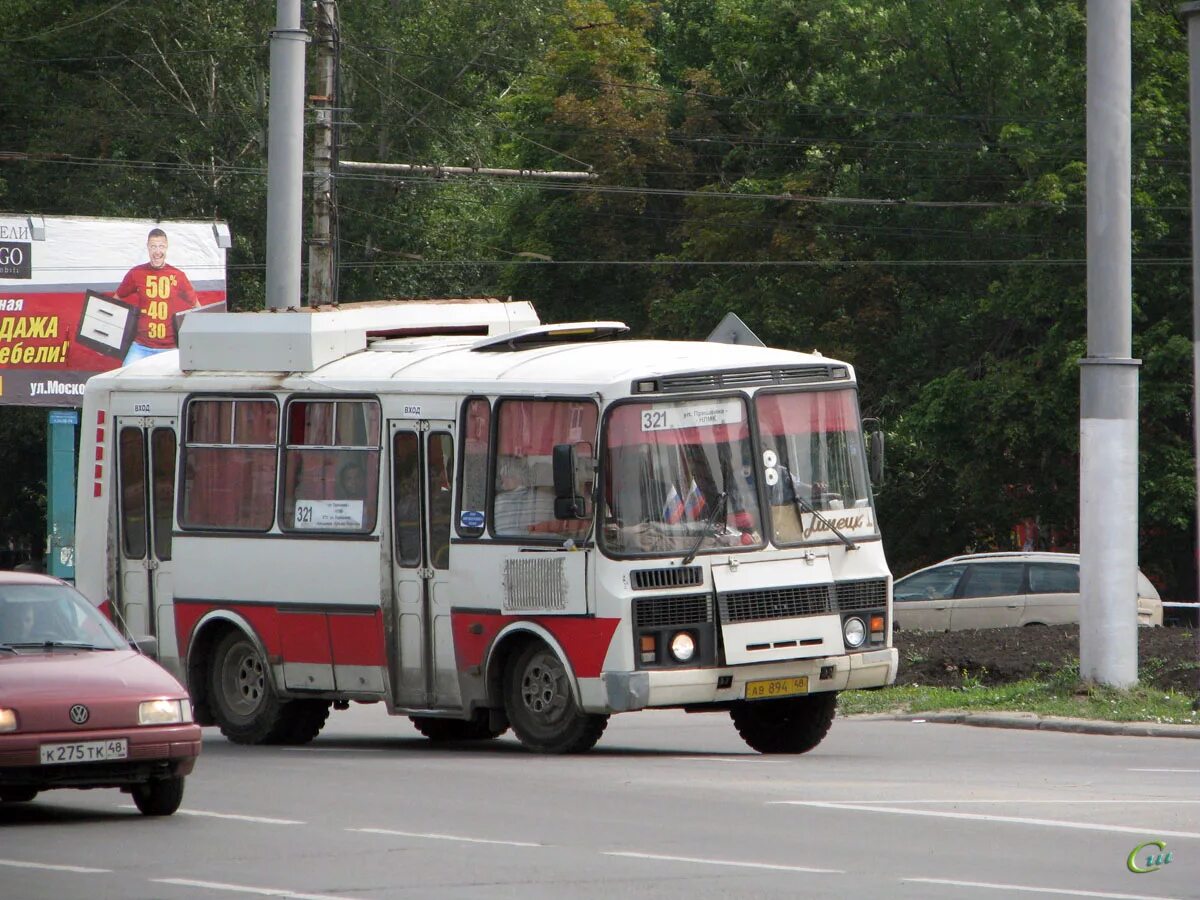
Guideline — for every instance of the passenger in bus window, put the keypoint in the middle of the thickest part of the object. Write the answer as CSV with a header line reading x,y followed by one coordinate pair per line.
x,y
520,503
352,482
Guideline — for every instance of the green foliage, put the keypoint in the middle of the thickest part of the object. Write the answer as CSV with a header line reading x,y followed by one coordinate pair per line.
x,y
799,140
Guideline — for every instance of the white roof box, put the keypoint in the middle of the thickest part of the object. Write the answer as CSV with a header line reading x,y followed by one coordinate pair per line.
x,y
306,338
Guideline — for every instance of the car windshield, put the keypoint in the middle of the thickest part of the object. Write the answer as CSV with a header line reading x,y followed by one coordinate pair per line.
x,y
812,466
673,478
40,614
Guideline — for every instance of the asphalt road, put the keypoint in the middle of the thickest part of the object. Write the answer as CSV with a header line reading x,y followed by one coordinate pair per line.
x,y
667,805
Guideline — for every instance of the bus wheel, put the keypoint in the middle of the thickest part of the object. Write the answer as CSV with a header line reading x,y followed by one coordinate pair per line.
x,y
786,725
541,708
242,698
439,730
302,721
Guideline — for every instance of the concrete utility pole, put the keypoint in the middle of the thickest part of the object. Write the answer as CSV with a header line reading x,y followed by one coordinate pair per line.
x,y
1108,436
285,157
320,246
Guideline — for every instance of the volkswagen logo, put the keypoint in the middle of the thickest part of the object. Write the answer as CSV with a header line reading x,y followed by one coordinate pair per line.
x,y
79,713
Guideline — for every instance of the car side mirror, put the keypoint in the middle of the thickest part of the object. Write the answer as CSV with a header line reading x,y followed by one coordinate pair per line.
x,y
568,502
873,432
147,645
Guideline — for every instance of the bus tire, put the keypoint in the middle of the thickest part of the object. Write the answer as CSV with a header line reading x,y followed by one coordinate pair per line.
x,y
301,722
442,730
786,725
17,794
158,797
541,708
241,695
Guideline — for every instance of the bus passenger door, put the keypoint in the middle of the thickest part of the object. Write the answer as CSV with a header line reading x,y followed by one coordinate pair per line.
x,y
146,451
425,675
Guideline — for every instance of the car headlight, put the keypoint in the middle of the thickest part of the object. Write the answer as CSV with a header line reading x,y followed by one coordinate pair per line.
x,y
854,631
683,646
164,712
8,720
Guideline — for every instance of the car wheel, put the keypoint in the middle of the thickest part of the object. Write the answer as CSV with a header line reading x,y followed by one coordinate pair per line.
x,y
786,725
17,794
541,707
160,797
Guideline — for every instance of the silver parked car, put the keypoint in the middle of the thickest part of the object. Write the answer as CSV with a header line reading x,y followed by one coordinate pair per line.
x,y
996,590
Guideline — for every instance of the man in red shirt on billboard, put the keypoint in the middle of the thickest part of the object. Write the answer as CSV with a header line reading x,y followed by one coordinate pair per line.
x,y
160,292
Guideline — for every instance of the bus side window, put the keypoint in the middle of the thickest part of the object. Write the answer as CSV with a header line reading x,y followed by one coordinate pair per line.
x,y
476,431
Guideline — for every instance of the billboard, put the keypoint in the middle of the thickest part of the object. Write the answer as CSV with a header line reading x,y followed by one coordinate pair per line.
x,y
84,295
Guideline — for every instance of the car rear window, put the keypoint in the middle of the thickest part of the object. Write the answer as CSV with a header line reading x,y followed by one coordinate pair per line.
x,y
1053,578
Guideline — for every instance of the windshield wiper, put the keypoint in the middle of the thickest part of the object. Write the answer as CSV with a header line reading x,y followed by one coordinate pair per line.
x,y
800,501
55,645
7,647
706,531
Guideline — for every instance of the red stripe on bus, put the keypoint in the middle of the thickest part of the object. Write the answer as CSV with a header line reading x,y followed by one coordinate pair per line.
x,y
584,639
297,636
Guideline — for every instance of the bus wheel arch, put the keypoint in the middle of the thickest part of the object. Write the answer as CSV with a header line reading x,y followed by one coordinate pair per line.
x,y
541,695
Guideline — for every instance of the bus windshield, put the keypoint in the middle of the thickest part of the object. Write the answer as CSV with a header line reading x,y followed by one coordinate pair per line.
x,y
675,478
812,465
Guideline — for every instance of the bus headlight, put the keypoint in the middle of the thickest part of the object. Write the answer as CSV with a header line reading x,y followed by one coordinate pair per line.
x,y
854,631
683,646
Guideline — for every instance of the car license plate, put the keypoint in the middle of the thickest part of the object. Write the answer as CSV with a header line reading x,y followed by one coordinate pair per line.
x,y
776,687
84,752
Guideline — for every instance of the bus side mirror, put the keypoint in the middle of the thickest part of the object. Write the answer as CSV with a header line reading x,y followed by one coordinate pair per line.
x,y
568,504
873,432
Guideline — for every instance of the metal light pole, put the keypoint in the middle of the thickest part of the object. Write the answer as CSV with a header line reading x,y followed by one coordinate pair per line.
x,y
1108,437
285,157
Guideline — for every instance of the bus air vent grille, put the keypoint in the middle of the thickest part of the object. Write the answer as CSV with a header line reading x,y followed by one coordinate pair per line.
x,y
853,595
750,377
535,584
776,603
654,579
671,612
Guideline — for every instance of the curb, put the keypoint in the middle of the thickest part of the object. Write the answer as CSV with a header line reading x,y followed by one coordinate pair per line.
x,y
1031,722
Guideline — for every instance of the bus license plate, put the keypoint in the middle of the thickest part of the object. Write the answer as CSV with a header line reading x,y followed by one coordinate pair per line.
x,y
84,752
776,687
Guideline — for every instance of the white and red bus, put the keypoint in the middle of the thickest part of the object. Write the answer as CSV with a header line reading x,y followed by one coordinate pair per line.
x,y
485,522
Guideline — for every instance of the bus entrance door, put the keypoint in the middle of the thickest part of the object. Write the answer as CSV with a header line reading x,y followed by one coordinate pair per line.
x,y
145,516
425,675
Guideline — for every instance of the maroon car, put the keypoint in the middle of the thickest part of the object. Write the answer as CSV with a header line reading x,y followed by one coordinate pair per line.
x,y
80,707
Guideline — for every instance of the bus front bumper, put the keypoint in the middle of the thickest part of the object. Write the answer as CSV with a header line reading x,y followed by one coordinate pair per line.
x,y
624,691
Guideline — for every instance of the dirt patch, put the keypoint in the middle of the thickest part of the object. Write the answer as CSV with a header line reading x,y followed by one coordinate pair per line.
x,y
1167,657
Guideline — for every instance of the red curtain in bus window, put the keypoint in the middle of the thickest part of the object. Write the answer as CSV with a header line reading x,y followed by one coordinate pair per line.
x,y
803,413
230,486
533,427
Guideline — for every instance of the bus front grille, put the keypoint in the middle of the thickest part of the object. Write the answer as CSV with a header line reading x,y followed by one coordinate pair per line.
x,y
670,612
776,603
675,576
868,594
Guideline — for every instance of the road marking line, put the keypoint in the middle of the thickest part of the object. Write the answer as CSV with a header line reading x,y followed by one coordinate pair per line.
x,y
442,837
247,889
1190,771
84,870
200,813
1021,802
724,862
1024,888
729,759
979,817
